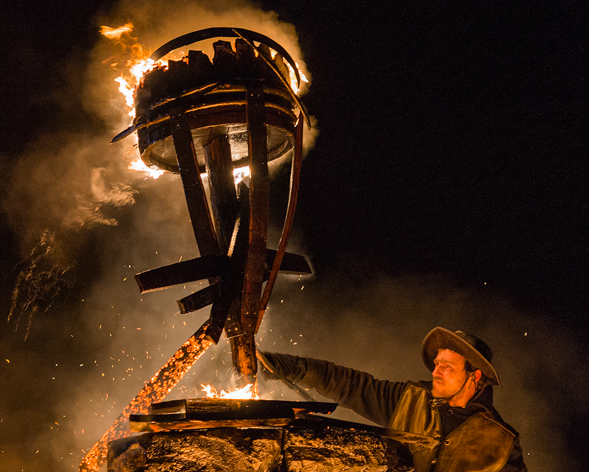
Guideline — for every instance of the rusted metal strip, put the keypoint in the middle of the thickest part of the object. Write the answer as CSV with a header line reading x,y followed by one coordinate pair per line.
x,y
198,208
295,177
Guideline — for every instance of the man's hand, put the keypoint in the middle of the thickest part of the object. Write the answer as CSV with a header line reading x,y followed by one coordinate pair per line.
x,y
282,366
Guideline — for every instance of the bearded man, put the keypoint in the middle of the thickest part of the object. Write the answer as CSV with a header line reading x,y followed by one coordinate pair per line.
x,y
455,409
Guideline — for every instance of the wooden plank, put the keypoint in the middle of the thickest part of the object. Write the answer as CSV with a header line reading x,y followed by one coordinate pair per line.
x,y
228,305
181,272
243,347
259,190
147,426
196,301
221,187
291,263
200,217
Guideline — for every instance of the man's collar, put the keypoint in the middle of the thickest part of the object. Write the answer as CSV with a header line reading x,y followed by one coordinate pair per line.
x,y
482,400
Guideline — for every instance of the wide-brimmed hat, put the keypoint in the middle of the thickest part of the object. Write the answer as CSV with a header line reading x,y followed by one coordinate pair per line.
x,y
473,349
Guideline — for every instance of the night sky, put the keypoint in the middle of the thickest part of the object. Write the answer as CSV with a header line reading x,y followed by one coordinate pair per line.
x,y
446,186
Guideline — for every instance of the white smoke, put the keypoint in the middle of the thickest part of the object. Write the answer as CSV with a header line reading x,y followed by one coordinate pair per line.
x,y
86,224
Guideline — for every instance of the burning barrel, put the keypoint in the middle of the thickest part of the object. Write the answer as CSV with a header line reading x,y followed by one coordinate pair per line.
x,y
211,120
213,97
208,120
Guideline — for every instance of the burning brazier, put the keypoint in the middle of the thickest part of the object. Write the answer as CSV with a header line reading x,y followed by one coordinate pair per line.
x,y
208,121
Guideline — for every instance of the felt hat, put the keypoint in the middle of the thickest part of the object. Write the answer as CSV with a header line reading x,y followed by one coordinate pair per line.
x,y
473,349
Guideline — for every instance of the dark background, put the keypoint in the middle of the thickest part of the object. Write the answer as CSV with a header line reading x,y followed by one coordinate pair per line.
x,y
449,175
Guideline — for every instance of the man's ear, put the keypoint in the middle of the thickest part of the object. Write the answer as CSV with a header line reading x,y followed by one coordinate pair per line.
x,y
477,375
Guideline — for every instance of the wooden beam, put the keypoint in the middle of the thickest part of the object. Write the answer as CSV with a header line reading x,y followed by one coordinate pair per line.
x,y
200,217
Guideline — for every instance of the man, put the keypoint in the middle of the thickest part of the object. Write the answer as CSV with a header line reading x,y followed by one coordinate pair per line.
x,y
455,408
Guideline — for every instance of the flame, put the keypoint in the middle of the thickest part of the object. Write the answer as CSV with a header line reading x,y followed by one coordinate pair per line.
x,y
137,64
293,78
140,166
115,33
249,392
240,173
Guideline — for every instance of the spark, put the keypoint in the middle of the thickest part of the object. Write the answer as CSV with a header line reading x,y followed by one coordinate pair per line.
x,y
154,391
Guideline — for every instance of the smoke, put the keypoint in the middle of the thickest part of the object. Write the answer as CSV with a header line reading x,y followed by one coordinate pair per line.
x,y
81,339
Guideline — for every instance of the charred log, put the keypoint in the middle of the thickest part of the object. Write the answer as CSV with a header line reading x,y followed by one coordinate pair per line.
x,y
296,447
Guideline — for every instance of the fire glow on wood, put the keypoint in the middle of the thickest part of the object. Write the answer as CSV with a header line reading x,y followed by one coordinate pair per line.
x,y
154,391
218,124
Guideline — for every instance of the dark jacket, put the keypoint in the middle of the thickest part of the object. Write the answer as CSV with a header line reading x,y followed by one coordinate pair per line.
x,y
473,438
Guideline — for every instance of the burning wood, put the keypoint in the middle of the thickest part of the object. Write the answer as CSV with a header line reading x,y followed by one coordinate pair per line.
x,y
306,443
194,115
154,391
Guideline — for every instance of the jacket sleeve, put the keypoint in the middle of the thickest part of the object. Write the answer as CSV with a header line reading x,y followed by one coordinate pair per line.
x,y
515,463
373,399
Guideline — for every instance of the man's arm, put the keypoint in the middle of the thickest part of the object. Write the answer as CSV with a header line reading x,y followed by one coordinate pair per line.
x,y
373,399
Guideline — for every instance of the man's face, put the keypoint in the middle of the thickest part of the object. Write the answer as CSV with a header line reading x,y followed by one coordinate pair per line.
x,y
449,374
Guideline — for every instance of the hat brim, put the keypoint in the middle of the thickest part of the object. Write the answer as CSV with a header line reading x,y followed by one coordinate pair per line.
x,y
441,338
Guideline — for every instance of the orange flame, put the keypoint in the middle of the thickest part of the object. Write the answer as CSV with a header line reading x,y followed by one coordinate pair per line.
x,y
293,78
115,33
137,63
140,166
249,392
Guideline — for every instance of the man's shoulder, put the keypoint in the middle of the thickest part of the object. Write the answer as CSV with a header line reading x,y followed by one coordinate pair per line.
x,y
493,415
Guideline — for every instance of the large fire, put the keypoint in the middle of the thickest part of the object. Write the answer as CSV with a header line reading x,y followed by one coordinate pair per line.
x,y
157,388
138,63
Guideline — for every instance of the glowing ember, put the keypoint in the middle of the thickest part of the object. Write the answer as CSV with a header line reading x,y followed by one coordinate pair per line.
x,y
249,392
154,391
